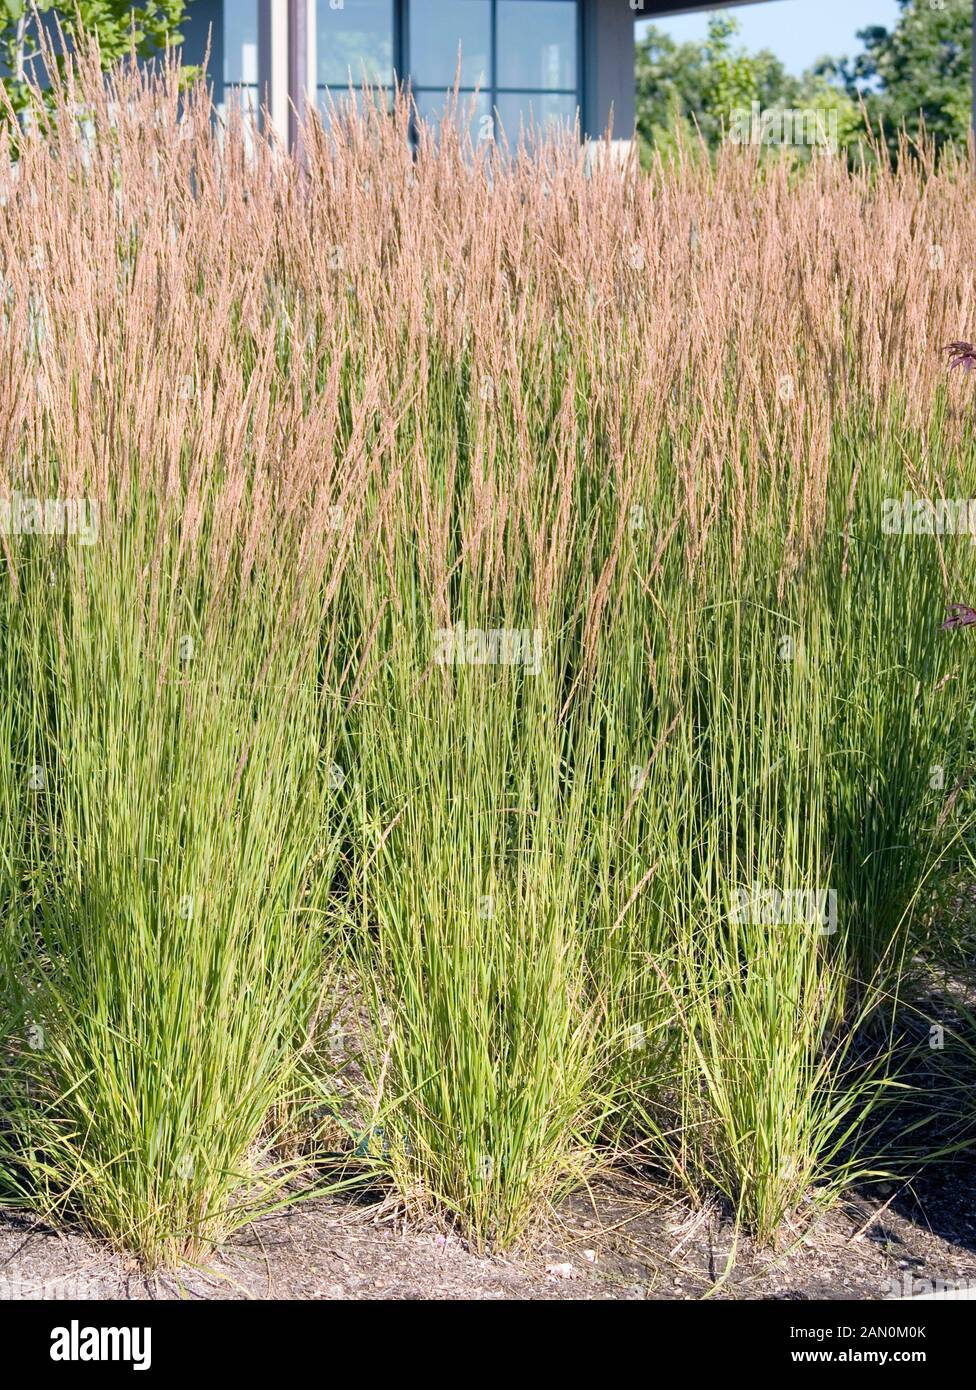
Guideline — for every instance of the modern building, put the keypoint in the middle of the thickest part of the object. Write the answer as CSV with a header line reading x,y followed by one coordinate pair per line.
x,y
520,60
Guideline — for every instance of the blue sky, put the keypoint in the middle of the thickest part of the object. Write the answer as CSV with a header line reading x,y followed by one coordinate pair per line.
x,y
797,31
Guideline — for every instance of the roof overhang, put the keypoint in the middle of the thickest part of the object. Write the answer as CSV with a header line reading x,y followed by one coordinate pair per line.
x,y
663,9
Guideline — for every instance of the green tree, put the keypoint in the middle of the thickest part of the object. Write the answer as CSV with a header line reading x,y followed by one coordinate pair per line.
x,y
119,25
700,83
708,85
919,71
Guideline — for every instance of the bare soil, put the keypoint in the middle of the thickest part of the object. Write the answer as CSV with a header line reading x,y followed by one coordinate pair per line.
x,y
622,1240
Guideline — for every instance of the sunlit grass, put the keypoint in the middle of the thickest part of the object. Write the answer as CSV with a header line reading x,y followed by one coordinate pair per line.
x,y
336,415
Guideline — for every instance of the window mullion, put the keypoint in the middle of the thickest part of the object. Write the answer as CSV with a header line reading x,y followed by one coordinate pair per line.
x,y
493,65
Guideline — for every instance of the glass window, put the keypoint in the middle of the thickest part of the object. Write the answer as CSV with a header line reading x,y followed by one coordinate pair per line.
x,y
241,53
538,110
537,44
354,43
472,115
339,103
437,29
520,55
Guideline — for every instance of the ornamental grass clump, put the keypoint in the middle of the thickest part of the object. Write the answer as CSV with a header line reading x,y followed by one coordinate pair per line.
x,y
454,590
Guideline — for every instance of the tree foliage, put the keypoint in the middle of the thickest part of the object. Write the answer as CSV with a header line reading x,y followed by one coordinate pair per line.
x,y
916,75
120,26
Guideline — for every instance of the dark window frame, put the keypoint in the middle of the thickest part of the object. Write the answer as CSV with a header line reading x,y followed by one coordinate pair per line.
x,y
401,63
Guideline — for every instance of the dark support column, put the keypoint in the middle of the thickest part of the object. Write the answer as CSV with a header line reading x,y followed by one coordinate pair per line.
x,y
298,66
273,63
264,58
608,68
